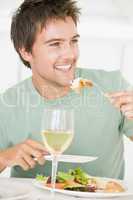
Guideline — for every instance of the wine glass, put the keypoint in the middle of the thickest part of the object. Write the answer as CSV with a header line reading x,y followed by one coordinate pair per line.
x,y
57,134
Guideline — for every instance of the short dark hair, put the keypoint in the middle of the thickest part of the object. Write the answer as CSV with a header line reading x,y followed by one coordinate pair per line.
x,y
34,14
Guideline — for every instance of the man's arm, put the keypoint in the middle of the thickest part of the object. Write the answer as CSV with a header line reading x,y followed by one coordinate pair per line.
x,y
23,155
123,101
2,166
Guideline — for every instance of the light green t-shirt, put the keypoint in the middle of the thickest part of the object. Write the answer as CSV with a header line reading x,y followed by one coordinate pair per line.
x,y
99,126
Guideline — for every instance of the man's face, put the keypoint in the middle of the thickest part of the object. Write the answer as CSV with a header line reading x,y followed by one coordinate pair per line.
x,y
55,52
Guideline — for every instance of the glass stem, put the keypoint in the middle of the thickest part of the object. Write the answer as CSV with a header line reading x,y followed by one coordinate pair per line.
x,y
54,170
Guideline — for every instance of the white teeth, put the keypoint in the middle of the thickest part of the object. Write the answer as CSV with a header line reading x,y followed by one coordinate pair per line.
x,y
63,66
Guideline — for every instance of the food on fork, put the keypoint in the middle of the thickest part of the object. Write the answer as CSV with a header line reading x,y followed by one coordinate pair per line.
x,y
79,83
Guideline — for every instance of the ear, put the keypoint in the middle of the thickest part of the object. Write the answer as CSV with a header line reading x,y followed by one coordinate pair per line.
x,y
27,56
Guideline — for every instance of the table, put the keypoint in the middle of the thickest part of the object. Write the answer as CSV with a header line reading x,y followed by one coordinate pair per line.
x,y
11,186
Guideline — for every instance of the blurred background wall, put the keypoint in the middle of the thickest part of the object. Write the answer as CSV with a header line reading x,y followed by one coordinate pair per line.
x,y
106,29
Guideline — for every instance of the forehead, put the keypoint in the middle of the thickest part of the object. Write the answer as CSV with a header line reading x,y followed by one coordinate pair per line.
x,y
57,28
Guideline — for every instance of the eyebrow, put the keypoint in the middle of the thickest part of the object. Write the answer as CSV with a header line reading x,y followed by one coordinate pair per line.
x,y
60,39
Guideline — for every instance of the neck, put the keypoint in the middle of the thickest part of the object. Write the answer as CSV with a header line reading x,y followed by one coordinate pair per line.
x,y
49,90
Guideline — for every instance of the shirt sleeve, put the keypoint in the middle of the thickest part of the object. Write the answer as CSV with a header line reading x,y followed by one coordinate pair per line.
x,y
127,127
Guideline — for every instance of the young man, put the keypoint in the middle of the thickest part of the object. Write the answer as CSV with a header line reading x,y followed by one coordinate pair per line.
x,y
44,33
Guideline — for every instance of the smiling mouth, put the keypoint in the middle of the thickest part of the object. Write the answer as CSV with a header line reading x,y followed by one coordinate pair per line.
x,y
64,68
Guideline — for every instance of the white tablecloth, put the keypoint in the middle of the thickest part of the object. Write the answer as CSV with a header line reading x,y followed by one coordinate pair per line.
x,y
11,187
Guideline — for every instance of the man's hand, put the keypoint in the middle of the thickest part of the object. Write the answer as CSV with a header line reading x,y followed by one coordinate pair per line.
x,y
123,101
25,155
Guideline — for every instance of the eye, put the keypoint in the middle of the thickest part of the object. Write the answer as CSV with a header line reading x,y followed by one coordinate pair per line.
x,y
74,41
55,44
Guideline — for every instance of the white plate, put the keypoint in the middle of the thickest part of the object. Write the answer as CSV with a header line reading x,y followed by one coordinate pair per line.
x,y
95,195
73,158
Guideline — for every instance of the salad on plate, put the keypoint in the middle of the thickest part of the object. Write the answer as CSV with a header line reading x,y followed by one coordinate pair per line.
x,y
78,180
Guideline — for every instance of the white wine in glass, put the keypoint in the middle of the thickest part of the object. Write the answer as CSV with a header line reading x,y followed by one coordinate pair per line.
x,y
57,132
56,142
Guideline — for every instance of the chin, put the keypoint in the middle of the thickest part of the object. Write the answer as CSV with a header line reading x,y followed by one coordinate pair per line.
x,y
67,82
64,84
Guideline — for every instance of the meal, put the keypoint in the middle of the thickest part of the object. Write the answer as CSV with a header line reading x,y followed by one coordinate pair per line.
x,y
78,180
79,83
112,186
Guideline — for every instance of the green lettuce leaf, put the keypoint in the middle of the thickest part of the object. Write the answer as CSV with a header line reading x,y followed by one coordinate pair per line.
x,y
40,177
64,177
80,176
